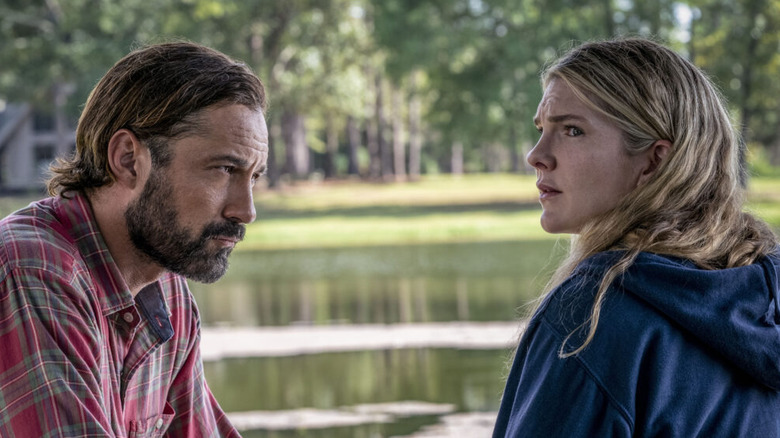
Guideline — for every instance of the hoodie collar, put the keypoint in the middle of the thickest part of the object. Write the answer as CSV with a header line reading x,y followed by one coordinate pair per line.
x,y
734,311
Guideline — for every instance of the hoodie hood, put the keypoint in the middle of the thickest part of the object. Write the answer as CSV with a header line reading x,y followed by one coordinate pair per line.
x,y
735,311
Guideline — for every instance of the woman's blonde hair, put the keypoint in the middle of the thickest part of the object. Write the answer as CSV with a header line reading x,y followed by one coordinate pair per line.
x,y
692,206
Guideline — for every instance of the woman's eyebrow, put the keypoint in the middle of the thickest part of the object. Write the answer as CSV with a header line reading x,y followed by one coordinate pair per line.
x,y
559,118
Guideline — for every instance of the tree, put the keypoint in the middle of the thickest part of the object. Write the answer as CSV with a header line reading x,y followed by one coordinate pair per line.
x,y
736,42
456,80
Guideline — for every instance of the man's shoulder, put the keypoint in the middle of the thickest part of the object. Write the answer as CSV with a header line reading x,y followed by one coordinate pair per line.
x,y
34,238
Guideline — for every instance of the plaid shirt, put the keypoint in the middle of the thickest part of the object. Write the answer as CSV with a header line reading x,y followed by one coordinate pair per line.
x,y
79,355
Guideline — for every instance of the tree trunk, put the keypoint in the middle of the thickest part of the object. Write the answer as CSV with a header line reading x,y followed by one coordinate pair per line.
x,y
415,136
524,150
331,147
747,89
514,153
258,51
385,153
372,139
399,150
655,18
774,151
691,40
353,142
64,133
372,144
456,161
609,23
297,151
272,173
493,157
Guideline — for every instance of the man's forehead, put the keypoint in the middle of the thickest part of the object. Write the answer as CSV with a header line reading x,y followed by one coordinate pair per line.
x,y
235,123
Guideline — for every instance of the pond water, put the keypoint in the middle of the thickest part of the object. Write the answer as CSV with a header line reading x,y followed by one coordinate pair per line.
x,y
470,380
486,281
476,282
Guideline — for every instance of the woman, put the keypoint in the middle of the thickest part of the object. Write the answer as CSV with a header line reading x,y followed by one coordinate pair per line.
x,y
664,319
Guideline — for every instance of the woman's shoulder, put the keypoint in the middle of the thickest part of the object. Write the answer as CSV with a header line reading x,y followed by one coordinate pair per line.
x,y
599,263
629,324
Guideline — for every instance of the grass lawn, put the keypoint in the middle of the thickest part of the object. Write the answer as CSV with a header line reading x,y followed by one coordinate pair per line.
x,y
9,204
437,209
441,208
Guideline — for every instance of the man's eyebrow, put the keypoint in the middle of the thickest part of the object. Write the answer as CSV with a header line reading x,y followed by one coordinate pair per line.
x,y
559,118
232,159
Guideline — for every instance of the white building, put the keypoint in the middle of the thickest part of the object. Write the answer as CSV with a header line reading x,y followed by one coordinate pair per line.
x,y
28,144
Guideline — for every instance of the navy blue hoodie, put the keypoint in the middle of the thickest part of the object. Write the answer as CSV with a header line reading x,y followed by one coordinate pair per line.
x,y
678,352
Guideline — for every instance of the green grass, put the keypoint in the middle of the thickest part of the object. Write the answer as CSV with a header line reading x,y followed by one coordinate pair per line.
x,y
437,209
372,229
9,204
432,190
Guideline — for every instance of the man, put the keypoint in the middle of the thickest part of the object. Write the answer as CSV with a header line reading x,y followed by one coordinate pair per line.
x,y
98,331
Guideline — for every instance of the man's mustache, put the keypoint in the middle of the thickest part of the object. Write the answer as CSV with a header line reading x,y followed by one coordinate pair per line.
x,y
224,229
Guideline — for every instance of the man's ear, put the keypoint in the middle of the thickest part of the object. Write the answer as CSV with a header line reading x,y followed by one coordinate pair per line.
x,y
128,158
656,154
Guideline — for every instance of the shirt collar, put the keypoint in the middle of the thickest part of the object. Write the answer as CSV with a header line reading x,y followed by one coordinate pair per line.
x,y
77,216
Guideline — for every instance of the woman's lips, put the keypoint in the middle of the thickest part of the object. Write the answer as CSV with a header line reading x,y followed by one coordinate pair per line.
x,y
547,192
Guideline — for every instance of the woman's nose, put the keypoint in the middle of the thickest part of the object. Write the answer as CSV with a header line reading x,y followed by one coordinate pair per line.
x,y
539,157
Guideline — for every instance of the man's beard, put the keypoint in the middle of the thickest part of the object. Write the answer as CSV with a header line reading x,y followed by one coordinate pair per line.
x,y
153,224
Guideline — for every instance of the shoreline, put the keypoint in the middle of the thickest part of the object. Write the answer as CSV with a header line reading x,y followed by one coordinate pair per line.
x,y
450,424
220,343
223,342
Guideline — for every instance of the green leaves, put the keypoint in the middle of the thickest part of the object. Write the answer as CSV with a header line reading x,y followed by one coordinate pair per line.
x,y
477,61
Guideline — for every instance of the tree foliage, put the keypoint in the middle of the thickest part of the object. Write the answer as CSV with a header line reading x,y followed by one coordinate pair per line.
x,y
352,74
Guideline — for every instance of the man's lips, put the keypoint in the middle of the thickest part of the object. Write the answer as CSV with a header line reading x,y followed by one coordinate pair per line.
x,y
227,240
546,191
224,234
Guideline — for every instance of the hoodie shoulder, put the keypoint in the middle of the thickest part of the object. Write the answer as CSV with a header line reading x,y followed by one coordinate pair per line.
x,y
734,312
681,350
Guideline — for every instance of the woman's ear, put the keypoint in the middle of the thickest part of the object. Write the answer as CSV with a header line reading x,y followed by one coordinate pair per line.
x,y
656,154
127,158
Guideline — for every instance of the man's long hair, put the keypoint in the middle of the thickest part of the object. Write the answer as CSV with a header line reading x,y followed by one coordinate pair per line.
x,y
156,92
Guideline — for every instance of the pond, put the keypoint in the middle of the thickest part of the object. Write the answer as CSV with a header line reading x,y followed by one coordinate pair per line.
x,y
376,392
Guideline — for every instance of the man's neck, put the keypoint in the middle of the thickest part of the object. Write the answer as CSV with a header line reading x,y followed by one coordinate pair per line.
x,y
137,269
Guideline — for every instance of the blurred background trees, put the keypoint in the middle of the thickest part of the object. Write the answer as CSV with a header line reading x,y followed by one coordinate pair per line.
x,y
388,90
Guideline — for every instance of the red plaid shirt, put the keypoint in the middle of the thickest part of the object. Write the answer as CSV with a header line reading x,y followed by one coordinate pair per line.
x,y
79,356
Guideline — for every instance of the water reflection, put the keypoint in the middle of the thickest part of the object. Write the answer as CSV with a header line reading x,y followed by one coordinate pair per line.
x,y
426,283
404,284
469,379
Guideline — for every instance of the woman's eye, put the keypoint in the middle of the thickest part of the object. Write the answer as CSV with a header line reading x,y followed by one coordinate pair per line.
x,y
573,131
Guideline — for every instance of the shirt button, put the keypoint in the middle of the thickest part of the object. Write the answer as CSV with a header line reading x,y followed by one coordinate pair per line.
x,y
128,317
159,423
